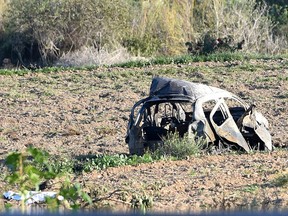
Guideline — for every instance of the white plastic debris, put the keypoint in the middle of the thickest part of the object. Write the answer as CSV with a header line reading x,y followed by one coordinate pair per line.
x,y
31,196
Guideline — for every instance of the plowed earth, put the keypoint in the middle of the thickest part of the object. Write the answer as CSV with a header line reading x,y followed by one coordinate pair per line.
x,y
79,113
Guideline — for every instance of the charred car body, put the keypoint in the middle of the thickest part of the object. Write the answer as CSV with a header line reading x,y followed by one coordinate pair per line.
x,y
197,109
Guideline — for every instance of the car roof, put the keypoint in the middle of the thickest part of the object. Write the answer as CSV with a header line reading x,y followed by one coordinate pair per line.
x,y
163,87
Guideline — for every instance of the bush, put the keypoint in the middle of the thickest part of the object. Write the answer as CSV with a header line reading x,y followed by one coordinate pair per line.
x,y
46,30
278,11
163,27
55,27
281,181
237,22
180,147
249,21
160,27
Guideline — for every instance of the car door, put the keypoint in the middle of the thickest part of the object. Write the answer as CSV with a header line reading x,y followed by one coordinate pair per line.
x,y
225,126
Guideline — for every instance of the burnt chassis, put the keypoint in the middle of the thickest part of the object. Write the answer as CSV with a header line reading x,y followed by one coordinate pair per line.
x,y
237,125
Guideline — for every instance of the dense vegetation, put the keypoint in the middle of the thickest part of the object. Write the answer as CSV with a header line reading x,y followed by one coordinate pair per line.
x,y
67,31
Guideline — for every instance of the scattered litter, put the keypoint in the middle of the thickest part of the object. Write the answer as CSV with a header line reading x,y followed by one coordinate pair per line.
x,y
31,196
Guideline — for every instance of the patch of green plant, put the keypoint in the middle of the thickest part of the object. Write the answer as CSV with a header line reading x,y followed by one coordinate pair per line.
x,y
62,165
104,161
132,64
2,139
282,78
180,147
250,188
162,60
281,181
141,202
248,67
265,79
185,59
72,192
225,56
146,158
90,67
13,71
96,162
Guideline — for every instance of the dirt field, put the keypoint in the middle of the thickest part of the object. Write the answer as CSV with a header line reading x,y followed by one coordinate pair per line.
x,y
79,113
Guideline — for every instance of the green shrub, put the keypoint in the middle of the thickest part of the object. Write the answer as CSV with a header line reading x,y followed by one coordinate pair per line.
x,y
180,147
100,162
281,181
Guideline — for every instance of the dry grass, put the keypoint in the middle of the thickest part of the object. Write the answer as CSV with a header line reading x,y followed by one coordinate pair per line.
x,y
145,28
88,56
245,21
166,26
2,9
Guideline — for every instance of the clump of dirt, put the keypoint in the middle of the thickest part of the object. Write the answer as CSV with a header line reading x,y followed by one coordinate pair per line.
x,y
79,113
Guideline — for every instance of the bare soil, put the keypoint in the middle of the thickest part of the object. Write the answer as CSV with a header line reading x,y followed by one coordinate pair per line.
x,y
80,112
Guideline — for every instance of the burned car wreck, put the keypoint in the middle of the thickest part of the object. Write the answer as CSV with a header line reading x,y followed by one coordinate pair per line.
x,y
197,109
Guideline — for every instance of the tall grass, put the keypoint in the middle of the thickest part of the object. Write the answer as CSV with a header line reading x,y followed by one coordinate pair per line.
x,y
55,27
48,30
248,21
163,26
3,6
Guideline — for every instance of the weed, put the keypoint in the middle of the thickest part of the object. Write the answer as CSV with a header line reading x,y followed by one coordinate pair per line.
x,y
248,67
105,161
142,202
49,92
251,188
71,193
96,162
265,79
105,130
180,147
193,173
62,165
281,181
146,158
11,72
158,185
3,139
132,64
